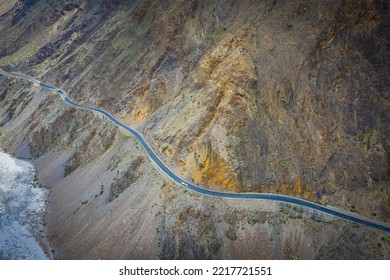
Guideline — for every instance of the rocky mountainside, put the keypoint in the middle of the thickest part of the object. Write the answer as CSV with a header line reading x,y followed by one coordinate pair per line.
x,y
289,97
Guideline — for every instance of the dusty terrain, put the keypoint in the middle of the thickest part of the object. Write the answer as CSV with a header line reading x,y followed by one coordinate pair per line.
x,y
272,96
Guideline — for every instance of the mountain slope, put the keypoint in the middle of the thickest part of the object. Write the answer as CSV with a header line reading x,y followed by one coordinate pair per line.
x,y
270,96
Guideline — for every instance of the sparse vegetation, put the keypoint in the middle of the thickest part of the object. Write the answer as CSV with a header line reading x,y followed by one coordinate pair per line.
x,y
220,31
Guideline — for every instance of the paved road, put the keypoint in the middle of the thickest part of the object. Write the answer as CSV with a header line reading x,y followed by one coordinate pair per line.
x,y
256,196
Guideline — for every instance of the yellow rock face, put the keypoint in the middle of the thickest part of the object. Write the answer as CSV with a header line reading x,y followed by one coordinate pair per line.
x,y
216,173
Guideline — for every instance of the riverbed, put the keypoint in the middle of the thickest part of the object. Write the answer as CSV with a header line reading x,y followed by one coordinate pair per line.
x,y
22,204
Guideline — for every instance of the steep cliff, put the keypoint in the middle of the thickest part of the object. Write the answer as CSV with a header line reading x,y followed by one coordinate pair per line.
x,y
289,97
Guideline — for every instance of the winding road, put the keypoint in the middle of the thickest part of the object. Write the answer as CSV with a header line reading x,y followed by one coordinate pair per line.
x,y
255,196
